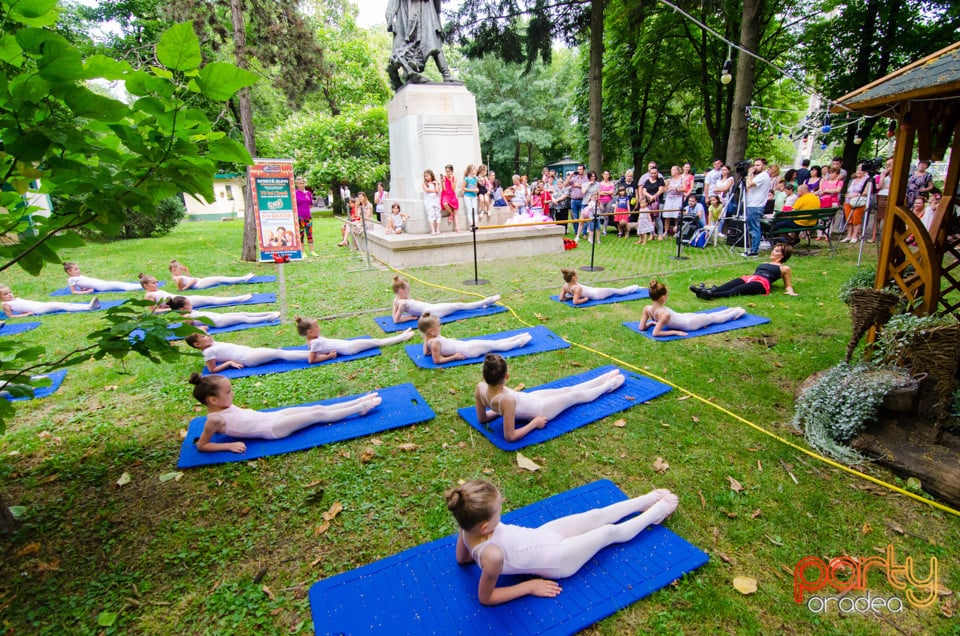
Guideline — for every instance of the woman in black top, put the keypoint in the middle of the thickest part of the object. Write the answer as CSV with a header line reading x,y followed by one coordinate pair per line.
x,y
757,284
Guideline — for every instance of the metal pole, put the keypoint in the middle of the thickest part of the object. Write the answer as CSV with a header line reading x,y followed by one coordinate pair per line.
x,y
476,274
593,247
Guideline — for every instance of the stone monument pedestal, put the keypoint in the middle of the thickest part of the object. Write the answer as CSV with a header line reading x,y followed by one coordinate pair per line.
x,y
431,125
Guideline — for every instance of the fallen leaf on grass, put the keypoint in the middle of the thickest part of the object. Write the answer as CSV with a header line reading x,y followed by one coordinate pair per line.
x,y
30,548
409,446
895,527
774,540
947,608
376,442
182,434
111,387
703,500
660,466
526,463
541,317
452,391
867,528
316,561
488,471
175,476
731,515
197,408
943,590
345,454
725,558
367,455
695,419
44,434
124,479
334,510
745,584
323,527
620,423
684,397
735,485
52,566
756,513
520,387
266,590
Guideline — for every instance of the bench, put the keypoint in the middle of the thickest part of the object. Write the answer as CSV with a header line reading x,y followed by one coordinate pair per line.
x,y
822,217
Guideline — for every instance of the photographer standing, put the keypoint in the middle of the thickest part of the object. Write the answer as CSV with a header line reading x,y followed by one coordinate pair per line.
x,y
758,187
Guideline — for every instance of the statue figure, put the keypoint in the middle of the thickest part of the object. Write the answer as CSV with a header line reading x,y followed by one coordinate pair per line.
x,y
415,25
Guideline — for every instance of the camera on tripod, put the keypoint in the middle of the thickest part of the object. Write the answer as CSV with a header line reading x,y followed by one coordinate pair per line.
x,y
872,166
742,166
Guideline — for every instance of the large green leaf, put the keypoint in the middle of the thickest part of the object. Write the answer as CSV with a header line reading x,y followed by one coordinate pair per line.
x,y
105,67
179,48
219,81
61,61
228,150
85,103
34,12
10,51
28,147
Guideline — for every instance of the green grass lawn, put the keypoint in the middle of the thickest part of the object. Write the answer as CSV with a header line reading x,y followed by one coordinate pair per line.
x,y
181,556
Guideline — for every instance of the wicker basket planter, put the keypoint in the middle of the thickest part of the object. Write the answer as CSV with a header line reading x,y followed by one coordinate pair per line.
x,y
868,308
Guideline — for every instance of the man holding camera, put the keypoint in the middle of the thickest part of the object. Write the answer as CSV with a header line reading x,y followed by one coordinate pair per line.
x,y
758,187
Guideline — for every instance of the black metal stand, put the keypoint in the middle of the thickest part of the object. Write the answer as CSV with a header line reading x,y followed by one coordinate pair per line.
x,y
593,247
868,190
679,232
476,280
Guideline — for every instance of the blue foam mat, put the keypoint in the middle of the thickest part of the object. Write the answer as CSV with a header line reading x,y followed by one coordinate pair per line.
x,y
543,340
217,330
15,328
281,366
640,294
386,322
104,304
402,406
636,390
256,299
65,291
255,279
747,320
56,379
423,591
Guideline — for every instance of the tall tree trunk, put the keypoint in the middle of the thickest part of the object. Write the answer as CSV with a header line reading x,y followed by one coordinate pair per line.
x,y
595,85
249,252
743,91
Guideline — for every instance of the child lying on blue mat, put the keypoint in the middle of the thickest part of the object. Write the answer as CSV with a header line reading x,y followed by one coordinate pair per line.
x,y
321,349
667,322
555,550
183,305
15,307
216,393
579,294
406,308
447,349
494,399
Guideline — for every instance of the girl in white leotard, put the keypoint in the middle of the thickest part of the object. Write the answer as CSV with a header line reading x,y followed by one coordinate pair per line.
x,y
406,308
494,399
667,322
218,356
579,294
15,307
321,348
80,284
157,295
181,276
183,305
444,350
215,392
555,550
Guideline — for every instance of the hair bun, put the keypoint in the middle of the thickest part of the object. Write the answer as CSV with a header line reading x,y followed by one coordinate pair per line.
x,y
195,378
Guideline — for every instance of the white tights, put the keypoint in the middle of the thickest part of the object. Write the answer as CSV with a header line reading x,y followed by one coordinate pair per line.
x,y
693,322
350,347
206,301
445,309
600,293
262,355
210,281
587,533
295,418
477,348
240,318
556,401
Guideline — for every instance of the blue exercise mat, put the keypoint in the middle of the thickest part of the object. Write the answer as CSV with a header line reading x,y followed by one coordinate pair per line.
x,y
56,379
282,366
640,294
386,322
747,320
217,330
65,291
16,328
543,340
423,591
402,406
255,279
636,390
256,299
104,304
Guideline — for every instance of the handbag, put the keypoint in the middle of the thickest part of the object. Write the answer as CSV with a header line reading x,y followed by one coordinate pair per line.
x,y
858,201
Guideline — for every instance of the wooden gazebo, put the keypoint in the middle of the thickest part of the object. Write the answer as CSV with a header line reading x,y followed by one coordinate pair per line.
x,y
924,98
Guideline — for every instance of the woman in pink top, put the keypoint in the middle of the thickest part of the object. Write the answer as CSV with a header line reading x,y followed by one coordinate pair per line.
x,y
605,192
687,176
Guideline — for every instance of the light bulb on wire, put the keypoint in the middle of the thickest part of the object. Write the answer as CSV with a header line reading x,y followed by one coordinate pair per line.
x,y
726,75
826,124
858,139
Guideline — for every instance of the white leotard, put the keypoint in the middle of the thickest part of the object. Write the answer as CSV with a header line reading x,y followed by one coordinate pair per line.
x,y
527,405
23,306
694,322
162,297
248,423
228,319
326,345
96,284
525,550
208,281
414,307
223,351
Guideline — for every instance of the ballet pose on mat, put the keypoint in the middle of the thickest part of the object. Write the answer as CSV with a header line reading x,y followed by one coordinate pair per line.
x,y
322,349
181,276
555,550
579,294
759,283
444,350
494,399
406,308
15,307
157,295
225,355
184,306
80,284
667,322
215,393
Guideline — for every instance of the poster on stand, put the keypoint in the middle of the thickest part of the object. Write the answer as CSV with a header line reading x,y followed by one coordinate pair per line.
x,y
278,230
